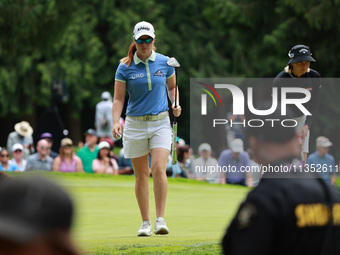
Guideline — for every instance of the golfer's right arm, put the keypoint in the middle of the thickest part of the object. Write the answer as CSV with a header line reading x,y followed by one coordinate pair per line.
x,y
117,107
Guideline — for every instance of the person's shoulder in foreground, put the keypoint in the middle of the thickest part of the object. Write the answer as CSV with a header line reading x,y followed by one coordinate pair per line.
x,y
287,216
289,212
35,217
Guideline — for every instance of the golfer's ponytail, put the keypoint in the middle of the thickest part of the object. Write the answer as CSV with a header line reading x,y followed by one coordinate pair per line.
x,y
128,59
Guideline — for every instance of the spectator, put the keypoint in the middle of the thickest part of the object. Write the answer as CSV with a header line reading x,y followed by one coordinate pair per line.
x,y
322,160
180,142
204,168
67,161
183,155
176,170
255,171
4,162
124,164
23,135
36,218
40,160
104,163
298,67
90,151
80,144
49,138
173,170
234,127
124,168
18,157
112,145
103,116
232,161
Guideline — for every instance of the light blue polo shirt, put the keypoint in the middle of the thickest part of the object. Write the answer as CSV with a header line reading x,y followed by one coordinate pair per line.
x,y
325,166
146,84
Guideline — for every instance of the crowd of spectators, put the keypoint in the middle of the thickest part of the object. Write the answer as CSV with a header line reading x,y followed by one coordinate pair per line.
x,y
96,155
237,165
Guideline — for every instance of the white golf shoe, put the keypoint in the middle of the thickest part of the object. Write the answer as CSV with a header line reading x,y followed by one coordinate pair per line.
x,y
145,229
160,227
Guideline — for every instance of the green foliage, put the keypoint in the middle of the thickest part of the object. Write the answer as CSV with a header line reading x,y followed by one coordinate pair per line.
x,y
28,31
81,43
261,33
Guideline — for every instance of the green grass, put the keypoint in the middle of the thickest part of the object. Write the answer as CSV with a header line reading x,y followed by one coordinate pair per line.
x,y
107,215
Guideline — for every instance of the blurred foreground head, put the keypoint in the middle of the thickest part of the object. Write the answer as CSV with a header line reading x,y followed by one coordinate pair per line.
x,y
35,217
272,137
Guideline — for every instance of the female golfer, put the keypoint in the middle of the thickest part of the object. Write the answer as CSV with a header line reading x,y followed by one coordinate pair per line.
x,y
148,80
298,67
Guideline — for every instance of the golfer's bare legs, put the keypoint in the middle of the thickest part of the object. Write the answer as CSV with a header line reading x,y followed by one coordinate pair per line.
x,y
159,158
142,172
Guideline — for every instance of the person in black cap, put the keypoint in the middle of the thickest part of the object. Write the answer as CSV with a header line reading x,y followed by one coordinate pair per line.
x,y
49,138
300,58
292,211
35,218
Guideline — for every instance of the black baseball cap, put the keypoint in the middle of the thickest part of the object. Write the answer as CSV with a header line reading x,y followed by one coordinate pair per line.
x,y
300,53
91,131
31,207
272,131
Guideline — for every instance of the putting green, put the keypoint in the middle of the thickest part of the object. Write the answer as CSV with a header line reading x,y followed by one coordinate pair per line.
x,y
107,215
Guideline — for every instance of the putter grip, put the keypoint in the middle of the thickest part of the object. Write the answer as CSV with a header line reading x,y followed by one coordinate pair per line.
x,y
174,144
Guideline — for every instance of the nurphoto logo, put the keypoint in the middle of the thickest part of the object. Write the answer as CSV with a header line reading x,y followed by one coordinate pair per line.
x,y
238,99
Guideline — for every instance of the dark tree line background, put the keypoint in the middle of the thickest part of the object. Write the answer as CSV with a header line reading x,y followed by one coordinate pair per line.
x,y
81,43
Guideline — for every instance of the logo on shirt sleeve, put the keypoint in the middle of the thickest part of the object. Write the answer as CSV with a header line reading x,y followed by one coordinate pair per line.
x,y
158,73
246,215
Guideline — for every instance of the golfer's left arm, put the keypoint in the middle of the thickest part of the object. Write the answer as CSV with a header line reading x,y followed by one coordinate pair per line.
x,y
171,85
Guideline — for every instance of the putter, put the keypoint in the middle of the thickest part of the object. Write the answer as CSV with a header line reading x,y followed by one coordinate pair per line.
x,y
174,63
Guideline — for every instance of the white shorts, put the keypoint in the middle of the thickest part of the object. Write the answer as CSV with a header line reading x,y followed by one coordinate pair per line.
x,y
140,136
301,122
